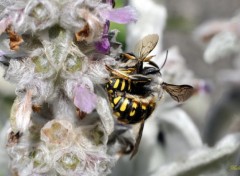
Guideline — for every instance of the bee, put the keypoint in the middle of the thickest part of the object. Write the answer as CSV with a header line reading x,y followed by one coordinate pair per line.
x,y
133,89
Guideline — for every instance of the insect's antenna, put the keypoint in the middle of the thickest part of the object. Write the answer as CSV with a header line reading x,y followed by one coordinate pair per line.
x,y
164,60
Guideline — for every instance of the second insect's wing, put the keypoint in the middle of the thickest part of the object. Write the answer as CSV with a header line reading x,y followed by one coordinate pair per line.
x,y
179,93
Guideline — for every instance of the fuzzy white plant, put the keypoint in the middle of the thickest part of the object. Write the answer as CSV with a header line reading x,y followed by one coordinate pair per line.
x,y
55,52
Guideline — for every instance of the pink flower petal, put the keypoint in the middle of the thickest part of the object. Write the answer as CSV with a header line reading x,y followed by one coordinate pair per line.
x,y
121,15
4,23
84,99
104,45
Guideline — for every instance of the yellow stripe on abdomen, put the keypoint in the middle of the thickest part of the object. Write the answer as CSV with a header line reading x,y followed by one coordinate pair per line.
x,y
134,105
144,107
116,100
123,85
110,91
116,84
124,105
132,113
117,114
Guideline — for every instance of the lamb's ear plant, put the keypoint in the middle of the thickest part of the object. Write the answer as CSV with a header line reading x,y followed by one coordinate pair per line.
x,y
55,52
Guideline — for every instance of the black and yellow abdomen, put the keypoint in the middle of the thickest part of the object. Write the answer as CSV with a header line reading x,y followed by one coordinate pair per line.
x,y
117,84
131,109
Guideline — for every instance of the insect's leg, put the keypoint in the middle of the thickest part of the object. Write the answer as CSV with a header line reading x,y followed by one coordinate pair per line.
x,y
138,139
117,73
128,70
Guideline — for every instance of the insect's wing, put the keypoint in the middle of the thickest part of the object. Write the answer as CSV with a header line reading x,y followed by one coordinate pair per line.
x,y
123,75
179,93
139,137
146,45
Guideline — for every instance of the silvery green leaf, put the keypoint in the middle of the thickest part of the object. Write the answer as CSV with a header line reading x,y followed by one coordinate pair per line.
x,y
221,46
4,158
176,128
103,109
6,88
20,117
179,126
216,161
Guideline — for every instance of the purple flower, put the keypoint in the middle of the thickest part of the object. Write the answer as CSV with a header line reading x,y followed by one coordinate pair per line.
x,y
84,99
204,87
122,15
104,45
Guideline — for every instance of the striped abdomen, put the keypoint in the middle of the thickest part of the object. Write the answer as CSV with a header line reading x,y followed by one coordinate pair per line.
x,y
118,84
132,109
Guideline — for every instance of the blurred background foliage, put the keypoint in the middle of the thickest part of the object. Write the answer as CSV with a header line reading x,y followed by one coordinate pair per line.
x,y
120,27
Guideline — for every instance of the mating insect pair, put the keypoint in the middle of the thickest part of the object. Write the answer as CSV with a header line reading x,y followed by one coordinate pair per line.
x,y
134,88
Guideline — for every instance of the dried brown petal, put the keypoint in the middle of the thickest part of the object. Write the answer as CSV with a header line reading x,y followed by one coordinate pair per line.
x,y
13,138
15,39
36,108
83,34
81,114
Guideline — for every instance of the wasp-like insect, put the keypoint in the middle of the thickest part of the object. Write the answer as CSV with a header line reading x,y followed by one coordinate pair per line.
x,y
133,89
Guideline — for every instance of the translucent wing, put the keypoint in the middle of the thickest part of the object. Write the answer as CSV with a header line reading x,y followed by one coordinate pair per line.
x,y
139,137
145,46
179,93
123,75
